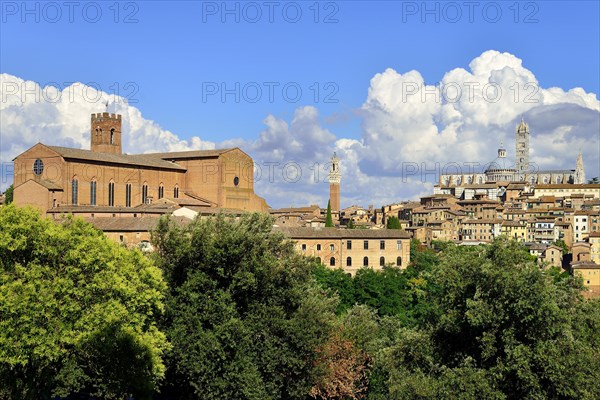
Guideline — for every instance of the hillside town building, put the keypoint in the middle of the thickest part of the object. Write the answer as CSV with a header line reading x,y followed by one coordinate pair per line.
x,y
352,249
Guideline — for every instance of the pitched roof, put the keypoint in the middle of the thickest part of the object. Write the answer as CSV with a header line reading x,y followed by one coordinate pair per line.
x,y
569,186
190,154
483,221
333,233
538,246
45,183
584,265
116,224
146,160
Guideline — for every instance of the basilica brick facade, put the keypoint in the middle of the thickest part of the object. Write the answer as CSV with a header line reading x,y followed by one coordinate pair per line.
x,y
50,177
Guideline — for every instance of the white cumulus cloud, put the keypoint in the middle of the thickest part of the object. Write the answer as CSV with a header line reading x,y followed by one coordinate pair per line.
x,y
410,131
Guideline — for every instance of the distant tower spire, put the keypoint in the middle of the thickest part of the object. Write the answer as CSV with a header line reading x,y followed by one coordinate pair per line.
x,y
579,171
522,150
335,178
501,150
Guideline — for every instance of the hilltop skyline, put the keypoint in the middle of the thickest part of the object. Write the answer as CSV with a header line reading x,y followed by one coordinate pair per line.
x,y
374,102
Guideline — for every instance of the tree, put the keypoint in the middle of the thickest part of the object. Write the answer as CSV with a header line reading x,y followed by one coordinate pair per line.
x,y
501,315
441,245
344,369
503,329
77,312
393,223
350,224
561,243
244,315
336,282
329,219
8,195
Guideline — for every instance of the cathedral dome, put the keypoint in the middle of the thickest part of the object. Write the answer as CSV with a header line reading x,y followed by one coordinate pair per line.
x,y
501,163
502,168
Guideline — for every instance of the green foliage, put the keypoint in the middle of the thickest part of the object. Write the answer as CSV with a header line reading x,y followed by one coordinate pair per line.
x,y
393,223
244,314
441,245
350,224
77,312
503,315
9,195
384,291
336,282
414,248
423,258
475,322
561,243
329,219
249,318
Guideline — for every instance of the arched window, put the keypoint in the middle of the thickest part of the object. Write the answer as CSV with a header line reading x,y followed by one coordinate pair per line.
x,y
75,191
366,262
480,180
381,261
398,261
111,194
349,262
112,135
144,193
332,261
128,195
93,187
176,192
161,191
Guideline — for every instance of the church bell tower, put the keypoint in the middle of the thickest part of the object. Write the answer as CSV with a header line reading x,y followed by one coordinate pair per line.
x,y
106,133
522,151
335,178
579,171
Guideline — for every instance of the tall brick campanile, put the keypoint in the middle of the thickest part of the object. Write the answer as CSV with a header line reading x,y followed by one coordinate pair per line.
x,y
334,183
106,133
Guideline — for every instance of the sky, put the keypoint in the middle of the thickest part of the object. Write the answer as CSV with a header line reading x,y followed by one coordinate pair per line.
x,y
400,90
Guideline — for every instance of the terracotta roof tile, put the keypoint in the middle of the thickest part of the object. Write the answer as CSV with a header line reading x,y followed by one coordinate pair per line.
x,y
145,160
333,233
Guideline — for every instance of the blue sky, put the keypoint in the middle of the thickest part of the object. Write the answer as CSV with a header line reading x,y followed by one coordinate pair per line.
x,y
165,57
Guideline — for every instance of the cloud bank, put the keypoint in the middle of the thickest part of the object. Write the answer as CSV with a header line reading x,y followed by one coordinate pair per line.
x,y
411,130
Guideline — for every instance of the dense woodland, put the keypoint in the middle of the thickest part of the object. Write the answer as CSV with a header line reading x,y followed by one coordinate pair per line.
x,y
226,309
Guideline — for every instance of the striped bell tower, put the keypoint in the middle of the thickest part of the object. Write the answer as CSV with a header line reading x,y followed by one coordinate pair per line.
x,y
522,151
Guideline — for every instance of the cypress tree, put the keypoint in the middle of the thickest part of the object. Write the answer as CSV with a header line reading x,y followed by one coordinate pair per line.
x,y
329,220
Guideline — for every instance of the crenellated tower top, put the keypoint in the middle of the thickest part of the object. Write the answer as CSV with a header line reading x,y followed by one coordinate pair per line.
x,y
105,133
335,175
